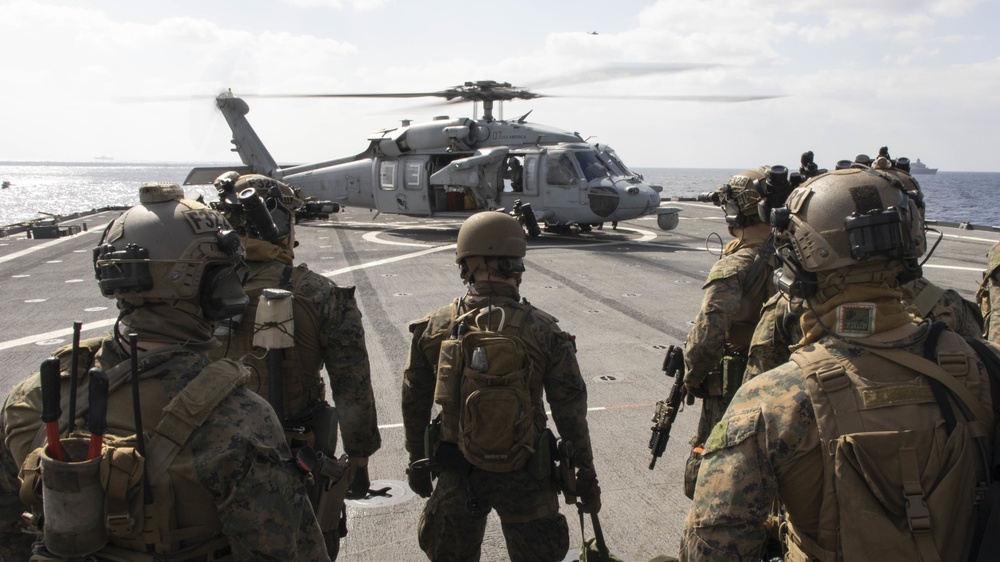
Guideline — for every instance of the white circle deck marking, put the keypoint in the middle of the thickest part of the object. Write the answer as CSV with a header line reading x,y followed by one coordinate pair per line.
x,y
20,276
49,342
54,261
95,309
36,300
74,281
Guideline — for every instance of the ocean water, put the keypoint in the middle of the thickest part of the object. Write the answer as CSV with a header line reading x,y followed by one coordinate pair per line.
x,y
38,188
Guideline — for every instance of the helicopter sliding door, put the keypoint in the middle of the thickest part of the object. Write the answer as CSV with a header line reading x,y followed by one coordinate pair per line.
x,y
401,185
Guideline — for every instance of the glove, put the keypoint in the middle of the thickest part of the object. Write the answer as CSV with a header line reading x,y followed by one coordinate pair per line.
x,y
359,486
588,491
419,480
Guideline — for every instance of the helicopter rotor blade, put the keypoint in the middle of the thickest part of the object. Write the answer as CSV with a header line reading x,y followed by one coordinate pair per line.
x,y
616,72
672,97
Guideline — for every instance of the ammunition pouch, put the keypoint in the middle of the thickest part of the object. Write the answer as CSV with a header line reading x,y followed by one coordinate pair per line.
x,y
539,464
432,437
733,367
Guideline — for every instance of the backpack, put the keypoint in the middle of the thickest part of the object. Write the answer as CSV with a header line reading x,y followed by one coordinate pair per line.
x,y
892,492
484,388
131,523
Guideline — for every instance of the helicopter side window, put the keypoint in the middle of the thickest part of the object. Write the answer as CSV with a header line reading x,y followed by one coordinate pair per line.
x,y
593,168
513,175
560,171
387,176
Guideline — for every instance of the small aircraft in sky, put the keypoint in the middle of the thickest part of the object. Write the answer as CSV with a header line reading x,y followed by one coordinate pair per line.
x,y
453,167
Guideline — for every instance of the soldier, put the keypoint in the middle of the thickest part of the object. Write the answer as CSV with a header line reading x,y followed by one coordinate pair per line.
x,y
716,349
327,332
989,296
850,436
493,453
778,331
218,481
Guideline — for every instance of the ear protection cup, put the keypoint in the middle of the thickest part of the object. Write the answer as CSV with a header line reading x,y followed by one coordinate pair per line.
x,y
222,293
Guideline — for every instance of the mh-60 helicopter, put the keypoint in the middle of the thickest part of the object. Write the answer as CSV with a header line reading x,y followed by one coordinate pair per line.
x,y
453,167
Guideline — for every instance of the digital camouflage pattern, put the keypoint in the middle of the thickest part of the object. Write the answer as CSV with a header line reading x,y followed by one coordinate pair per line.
x,y
767,447
729,312
450,531
238,459
779,329
989,296
776,332
528,507
328,332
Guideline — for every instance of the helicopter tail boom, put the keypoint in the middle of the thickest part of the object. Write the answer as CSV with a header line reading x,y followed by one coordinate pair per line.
x,y
245,140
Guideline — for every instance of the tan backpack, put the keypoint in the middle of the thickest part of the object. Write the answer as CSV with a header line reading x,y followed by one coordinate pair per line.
x,y
484,389
892,490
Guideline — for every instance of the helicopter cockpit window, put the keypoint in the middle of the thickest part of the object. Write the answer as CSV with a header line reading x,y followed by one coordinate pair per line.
x,y
387,175
559,170
592,167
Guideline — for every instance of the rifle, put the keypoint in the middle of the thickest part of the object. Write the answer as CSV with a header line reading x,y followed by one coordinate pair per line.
x,y
666,410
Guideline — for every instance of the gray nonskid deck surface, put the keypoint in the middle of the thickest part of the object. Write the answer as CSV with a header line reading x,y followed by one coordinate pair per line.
x,y
624,294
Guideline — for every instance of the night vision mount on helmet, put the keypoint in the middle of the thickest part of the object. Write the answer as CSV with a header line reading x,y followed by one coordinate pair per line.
x,y
257,206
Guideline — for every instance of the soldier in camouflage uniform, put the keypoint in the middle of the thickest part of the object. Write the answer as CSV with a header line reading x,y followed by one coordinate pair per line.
x,y
778,331
846,415
230,492
716,348
327,331
490,251
989,295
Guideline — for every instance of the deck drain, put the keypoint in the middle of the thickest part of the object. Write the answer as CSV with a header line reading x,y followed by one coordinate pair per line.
x,y
631,295
607,378
401,295
398,493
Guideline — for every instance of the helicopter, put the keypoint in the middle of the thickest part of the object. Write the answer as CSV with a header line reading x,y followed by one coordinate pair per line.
x,y
454,167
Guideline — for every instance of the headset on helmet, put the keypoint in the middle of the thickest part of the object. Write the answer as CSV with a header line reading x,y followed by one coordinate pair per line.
x,y
492,234
257,206
843,219
170,249
739,198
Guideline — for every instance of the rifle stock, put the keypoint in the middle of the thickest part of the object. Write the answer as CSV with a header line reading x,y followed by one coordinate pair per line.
x,y
666,410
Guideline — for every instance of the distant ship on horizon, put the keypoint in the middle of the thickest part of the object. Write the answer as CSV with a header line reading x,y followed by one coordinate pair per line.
x,y
919,167
103,158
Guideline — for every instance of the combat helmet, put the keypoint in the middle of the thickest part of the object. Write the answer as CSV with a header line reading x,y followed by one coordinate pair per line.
x,y
860,224
491,234
739,198
171,250
258,206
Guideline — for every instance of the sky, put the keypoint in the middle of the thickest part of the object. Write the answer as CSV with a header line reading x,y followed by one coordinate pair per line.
x,y
135,81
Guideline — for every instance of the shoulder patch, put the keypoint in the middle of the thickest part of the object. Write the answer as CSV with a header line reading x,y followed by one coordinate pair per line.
x,y
733,430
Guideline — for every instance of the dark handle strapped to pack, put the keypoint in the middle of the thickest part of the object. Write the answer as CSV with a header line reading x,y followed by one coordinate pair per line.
x,y
51,409
74,370
97,422
140,438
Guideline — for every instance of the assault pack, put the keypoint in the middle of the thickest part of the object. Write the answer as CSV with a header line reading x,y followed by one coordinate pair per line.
x,y
120,501
889,493
484,388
